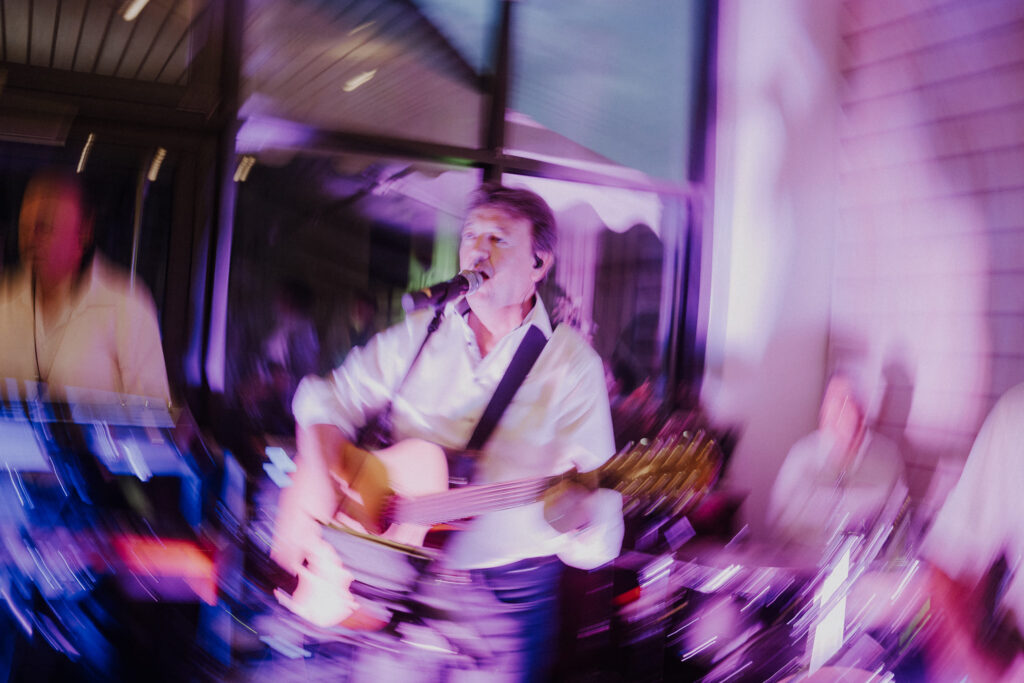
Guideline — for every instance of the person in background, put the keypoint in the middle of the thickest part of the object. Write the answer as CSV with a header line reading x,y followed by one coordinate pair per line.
x,y
836,479
506,562
289,352
68,317
959,607
975,552
362,320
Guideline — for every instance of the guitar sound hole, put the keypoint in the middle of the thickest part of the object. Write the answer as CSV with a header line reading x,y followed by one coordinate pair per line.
x,y
461,468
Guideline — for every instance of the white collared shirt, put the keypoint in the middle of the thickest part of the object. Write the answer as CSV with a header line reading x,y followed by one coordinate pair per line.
x,y
106,338
559,418
812,499
983,517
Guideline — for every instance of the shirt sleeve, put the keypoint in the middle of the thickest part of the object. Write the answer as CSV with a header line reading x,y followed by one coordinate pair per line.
x,y
362,386
586,438
584,430
977,521
981,518
600,541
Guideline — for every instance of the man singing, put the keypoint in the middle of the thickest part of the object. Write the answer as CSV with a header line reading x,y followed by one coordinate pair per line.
x,y
508,561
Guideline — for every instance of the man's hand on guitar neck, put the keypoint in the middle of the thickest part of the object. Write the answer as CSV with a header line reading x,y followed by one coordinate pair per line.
x,y
568,504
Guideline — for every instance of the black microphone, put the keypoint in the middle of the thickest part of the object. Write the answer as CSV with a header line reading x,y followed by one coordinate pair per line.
x,y
466,282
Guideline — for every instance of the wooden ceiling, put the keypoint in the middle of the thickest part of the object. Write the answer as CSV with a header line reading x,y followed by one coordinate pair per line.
x,y
300,58
297,60
90,37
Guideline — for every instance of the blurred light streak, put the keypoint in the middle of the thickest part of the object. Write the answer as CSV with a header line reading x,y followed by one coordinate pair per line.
x,y
720,579
136,461
362,27
19,488
132,9
285,648
154,166
914,566
168,558
356,81
828,635
279,467
277,476
279,457
85,153
632,595
700,648
259,132
245,165
22,620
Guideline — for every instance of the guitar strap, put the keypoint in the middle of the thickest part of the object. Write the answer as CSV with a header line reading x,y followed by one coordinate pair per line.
x,y
377,432
526,355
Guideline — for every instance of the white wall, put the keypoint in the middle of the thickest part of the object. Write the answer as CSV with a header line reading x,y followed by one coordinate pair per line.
x,y
869,185
773,222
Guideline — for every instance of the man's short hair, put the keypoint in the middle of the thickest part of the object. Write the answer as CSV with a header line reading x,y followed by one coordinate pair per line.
x,y
521,203
65,180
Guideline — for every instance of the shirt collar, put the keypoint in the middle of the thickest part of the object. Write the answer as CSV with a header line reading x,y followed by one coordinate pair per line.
x,y
538,315
21,283
22,280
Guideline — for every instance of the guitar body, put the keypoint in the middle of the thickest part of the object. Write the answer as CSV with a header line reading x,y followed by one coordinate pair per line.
x,y
414,468
322,596
408,483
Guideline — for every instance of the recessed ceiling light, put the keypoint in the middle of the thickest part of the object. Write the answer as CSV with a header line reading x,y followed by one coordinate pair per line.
x,y
154,166
356,81
245,165
131,9
85,152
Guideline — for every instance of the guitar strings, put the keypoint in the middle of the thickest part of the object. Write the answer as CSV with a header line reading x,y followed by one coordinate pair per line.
x,y
433,506
436,507
417,509
485,490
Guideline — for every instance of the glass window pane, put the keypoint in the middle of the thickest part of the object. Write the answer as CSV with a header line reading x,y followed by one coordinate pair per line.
x,y
627,95
333,241
614,276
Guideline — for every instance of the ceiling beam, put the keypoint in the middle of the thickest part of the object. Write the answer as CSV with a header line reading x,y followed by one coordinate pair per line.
x,y
494,134
315,141
107,97
556,171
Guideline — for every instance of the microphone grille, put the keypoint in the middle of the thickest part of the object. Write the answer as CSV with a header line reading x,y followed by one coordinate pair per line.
x,y
475,278
408,302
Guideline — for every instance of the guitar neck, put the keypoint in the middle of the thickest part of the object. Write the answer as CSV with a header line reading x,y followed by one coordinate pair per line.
x,y
669,474
471,501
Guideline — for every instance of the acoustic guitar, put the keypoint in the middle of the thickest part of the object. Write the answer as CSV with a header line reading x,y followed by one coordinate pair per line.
x,y
667,475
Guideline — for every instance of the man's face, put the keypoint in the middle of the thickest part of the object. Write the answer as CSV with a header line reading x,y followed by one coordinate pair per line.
x,y
501,247
52,233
